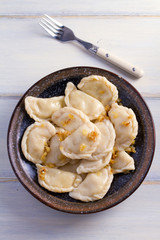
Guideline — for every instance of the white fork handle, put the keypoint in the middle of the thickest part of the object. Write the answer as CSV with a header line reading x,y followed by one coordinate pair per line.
x,y
130,68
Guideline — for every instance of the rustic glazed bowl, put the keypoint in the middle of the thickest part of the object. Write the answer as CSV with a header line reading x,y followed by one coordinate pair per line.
x,y
123,184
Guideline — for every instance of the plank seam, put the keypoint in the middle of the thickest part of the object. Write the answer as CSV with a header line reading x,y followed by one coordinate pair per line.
x,y
81,16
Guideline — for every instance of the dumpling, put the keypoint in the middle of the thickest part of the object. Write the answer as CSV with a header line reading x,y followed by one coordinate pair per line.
x,y
94,186
122,163
56,180
42,108
93,166
82,101
100,88
82,142
107,139
34,142
126,125
69,118
55,157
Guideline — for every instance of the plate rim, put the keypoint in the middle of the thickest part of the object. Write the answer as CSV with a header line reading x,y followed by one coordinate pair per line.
x,y
24,181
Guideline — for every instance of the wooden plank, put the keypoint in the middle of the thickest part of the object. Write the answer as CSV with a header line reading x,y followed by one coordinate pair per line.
x,y
81,7
24,217
154,108
7,105
29,53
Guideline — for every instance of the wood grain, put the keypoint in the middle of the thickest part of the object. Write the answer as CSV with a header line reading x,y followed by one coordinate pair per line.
x,y
29,53
129,29
81,7
7,108
23,217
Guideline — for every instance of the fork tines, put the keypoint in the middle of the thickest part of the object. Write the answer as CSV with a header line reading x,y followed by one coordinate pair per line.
x,y
52,26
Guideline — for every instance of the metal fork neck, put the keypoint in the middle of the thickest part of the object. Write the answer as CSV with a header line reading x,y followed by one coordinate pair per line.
x,y
89,46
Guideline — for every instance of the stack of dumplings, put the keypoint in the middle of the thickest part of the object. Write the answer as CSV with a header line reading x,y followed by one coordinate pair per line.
x,y
80,140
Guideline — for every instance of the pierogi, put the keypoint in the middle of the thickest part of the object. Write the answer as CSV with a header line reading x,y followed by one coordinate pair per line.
x,y
69,118
125,124
100,88
35,139
107,140
42,108
122,163
94,186
55,157
93,166
82,101
56,180
80,140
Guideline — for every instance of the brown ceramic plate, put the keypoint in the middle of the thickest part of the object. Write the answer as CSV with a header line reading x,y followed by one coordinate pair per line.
x,y
123,184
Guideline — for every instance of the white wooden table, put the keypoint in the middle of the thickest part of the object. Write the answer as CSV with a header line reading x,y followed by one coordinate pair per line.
x,y
130,29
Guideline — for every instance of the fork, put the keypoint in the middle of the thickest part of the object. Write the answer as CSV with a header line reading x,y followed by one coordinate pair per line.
x,y
65,34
